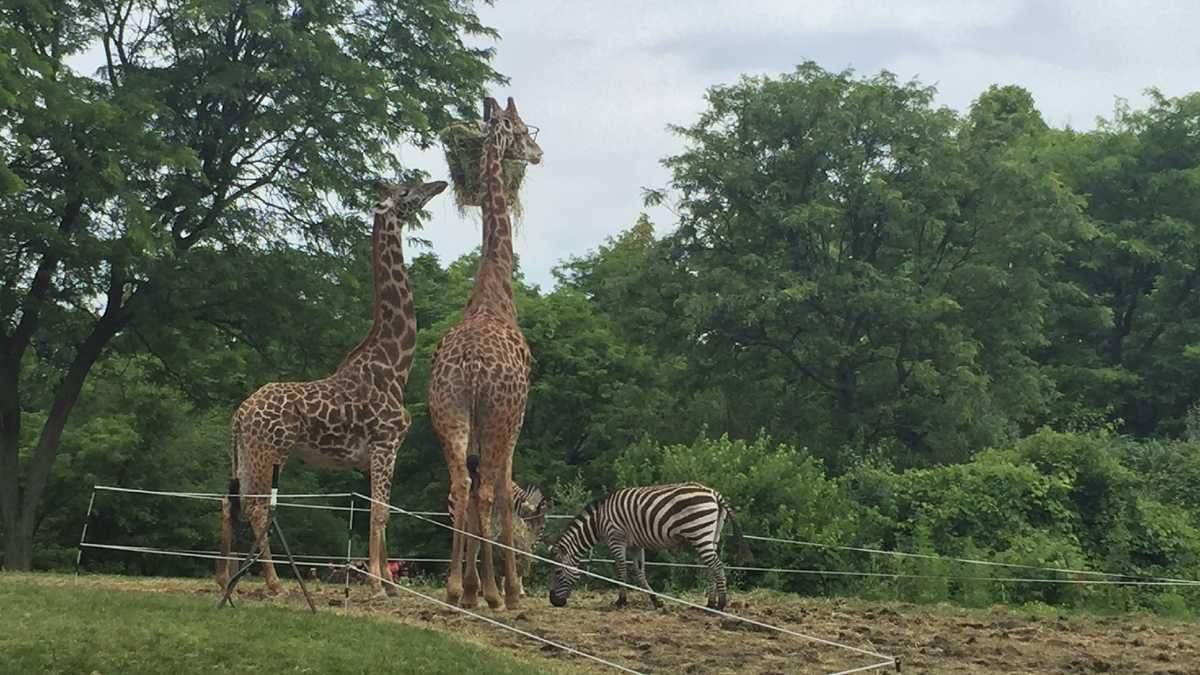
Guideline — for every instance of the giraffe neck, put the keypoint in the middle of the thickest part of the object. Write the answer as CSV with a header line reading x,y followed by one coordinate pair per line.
x,y
393,336
493,291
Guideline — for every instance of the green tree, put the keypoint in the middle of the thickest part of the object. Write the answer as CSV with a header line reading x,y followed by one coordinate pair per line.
x,y
1128,342
213,129
866,269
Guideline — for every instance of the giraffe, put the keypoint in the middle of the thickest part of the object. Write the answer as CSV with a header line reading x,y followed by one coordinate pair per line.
x,y
353,419
480,376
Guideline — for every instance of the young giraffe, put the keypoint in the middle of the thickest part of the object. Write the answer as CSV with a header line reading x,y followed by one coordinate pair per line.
x,y
354,418
480,376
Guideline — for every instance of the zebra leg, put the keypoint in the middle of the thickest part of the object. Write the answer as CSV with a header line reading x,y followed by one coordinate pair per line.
x,y
641,576
617,547
717,595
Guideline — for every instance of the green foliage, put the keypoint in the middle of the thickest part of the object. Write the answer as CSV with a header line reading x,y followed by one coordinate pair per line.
x,y
1140,174
865,268
1053,500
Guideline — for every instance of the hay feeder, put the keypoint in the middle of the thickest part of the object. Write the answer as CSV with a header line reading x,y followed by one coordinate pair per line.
x,y
463,142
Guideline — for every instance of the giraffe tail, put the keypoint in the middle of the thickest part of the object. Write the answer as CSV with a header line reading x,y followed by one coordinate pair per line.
x,y
234,492
473,471
235,503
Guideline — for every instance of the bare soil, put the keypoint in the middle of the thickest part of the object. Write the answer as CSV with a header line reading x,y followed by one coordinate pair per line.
x,y
677,639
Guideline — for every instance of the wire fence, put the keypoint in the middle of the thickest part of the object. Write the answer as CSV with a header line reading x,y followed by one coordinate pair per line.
x,y
312,560
345,562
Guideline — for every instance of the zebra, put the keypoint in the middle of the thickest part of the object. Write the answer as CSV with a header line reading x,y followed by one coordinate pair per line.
x,y
529,505
634,520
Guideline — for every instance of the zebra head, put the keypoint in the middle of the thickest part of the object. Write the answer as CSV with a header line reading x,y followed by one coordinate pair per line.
x,y
575,541
531,507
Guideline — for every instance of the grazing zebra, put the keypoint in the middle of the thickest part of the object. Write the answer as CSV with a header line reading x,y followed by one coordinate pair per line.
x,y
529,507
634,520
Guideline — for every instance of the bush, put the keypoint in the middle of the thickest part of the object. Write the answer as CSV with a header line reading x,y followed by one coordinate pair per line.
x,y
1090,501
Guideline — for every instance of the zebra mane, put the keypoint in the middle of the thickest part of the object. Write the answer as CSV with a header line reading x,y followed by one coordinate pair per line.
x,y
578,521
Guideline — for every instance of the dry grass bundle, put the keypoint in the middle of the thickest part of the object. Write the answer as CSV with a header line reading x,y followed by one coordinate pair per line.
x,y
463,142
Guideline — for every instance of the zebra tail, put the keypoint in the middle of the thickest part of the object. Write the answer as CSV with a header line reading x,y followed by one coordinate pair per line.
x,y
742,552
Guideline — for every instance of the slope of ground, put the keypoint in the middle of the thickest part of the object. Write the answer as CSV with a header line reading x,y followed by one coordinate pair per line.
x,y
927,639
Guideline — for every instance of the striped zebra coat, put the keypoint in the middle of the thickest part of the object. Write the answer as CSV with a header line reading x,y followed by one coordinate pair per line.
x,y
654,518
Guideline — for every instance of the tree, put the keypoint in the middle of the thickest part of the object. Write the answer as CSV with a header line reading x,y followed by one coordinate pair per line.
x,y
866,269
1127,345
213,129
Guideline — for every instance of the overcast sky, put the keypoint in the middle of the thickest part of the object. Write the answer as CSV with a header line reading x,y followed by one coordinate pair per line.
x,y
603,79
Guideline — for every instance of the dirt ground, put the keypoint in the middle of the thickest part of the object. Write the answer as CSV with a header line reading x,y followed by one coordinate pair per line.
x,y
678,639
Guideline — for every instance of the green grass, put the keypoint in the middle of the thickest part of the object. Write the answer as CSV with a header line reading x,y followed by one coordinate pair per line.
x,y
52,627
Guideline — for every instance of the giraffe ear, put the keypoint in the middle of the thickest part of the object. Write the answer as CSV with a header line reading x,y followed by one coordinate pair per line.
x,y
512,107
489,106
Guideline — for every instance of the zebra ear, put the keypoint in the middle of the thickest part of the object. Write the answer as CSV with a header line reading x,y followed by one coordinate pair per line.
x,y
535,498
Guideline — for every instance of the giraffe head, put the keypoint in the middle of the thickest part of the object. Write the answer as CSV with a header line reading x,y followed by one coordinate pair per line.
x,y
516,138
399,202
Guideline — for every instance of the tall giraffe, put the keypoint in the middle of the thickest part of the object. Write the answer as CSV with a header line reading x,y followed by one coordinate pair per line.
x,y
353,419
480,376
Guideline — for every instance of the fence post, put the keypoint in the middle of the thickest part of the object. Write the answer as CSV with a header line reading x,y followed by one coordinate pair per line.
x,y
83,535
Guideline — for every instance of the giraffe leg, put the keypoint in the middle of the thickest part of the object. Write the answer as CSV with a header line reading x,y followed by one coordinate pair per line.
x,y
382,463
454,448
486,499
504,499
525,563
471,580
224,565
258,513
257,481
495,468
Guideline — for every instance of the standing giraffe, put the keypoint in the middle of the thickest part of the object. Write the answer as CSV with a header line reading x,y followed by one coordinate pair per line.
x,y
353,419
480,376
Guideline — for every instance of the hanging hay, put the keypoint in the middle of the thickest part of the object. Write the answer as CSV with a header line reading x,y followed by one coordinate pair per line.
x,y
463,142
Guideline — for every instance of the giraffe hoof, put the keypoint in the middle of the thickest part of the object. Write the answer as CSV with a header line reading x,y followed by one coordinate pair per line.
x,y
493,603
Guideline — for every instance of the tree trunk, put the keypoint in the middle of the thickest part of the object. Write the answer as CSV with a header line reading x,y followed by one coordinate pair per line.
x,y
18,548
10,464
21,505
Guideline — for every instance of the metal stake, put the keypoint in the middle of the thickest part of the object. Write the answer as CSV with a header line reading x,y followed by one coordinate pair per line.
x,y
83,535
260,548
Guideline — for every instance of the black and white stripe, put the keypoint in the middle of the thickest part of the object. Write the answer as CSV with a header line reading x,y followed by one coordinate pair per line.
x,y
634,520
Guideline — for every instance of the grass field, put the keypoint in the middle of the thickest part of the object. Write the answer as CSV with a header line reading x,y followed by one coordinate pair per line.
x,y
51,625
